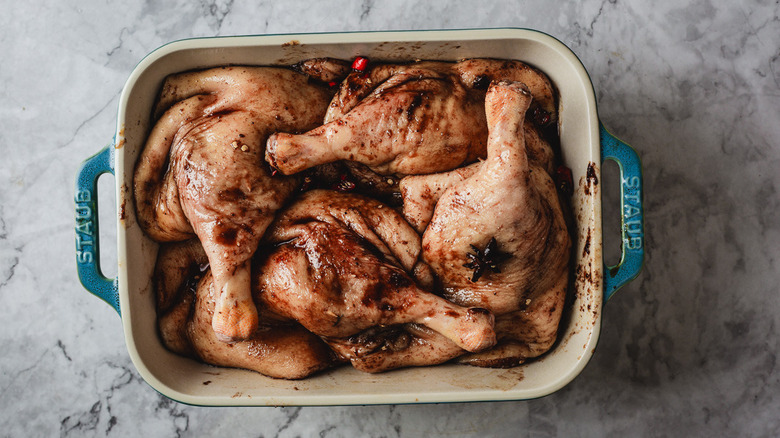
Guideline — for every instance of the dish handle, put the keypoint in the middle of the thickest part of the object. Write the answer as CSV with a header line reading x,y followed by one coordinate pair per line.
x,y
87,236
632,217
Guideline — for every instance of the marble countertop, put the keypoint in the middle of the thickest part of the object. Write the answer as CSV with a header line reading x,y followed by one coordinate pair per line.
x,y
690,348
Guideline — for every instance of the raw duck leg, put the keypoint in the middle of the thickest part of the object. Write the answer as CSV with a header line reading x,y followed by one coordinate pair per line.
x,y
342,275
416,121
498,239
202,171
280,349
185,305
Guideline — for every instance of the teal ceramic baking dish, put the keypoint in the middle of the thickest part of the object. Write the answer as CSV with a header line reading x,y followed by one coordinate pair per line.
x,y
585,145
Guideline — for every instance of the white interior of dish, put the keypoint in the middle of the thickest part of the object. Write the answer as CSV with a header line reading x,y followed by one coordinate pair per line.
x,y
195,383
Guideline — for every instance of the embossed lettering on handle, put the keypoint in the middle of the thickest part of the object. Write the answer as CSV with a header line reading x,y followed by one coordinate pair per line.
x,y
632,219
85,235
87,226
632,213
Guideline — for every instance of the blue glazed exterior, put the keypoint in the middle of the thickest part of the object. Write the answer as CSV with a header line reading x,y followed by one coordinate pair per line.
x,y
87,241
632,217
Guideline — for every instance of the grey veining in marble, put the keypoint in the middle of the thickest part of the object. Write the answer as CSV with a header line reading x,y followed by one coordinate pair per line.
x,y
688,349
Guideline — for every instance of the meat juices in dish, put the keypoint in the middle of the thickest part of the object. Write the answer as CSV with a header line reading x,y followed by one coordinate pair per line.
x,y
202,171
507,211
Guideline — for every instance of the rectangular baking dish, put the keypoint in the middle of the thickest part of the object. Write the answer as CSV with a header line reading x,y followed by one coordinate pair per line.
x,y
585,145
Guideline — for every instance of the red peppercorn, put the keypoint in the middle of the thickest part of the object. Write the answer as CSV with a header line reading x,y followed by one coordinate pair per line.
x,y
360,63
332,84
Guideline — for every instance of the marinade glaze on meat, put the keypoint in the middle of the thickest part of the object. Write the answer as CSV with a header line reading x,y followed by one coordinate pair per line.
x,y
314,216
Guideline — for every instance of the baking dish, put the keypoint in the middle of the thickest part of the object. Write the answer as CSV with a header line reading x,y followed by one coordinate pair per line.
x,y
585,144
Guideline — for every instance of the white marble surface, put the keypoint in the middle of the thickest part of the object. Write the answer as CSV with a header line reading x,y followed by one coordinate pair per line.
x,y
688,349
